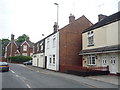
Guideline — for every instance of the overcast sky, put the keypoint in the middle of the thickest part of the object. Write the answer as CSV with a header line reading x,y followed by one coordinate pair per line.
x,y
37,17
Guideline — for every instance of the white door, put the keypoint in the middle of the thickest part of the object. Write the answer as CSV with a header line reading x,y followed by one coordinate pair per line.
x,y
112,65
104,61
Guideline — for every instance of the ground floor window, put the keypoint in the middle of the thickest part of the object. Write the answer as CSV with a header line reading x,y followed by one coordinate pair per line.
x,y
91,60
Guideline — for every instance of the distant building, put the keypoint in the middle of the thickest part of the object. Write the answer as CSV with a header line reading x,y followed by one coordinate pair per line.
x,y
16,48
39,54
101,46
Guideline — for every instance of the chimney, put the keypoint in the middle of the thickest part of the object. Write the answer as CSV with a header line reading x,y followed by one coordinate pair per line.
x,y
55,27
71,18
101,17
12,37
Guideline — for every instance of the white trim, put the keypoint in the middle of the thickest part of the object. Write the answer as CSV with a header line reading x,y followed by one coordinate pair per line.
x,y
13,42
25,42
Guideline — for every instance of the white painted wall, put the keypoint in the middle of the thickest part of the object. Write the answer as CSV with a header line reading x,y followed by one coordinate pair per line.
x,y
39,60
52,50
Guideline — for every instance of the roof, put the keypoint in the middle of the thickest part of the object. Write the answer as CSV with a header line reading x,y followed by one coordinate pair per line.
x,y
101,50
110,19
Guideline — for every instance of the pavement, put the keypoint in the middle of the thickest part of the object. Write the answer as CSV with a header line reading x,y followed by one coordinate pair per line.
x,y
102,81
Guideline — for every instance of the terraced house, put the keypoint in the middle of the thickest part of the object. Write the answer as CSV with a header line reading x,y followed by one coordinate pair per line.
x,y
101,46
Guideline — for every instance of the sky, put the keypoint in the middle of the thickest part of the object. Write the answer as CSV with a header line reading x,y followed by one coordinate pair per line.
x,y
37,17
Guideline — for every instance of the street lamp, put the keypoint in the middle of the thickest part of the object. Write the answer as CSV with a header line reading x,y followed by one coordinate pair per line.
x,y
57,13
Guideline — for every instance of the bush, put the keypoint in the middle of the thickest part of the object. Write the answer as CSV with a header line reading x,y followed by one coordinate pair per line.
x,y
19,59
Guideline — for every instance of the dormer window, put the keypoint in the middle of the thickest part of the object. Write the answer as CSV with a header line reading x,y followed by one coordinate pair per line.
x,y
37,47
25,48
90,38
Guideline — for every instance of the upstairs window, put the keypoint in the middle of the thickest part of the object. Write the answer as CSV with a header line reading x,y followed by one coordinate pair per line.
x,y
48,43
25,48
90,38
37,47
54,40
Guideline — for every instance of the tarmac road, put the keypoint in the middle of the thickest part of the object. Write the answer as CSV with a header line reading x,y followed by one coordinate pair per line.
x,y
21,77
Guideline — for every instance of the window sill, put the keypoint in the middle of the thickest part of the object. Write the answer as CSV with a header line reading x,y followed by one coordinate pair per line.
x,y
90,45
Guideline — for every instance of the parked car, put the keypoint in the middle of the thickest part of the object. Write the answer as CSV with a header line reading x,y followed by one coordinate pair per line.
x,y
28,62
4,66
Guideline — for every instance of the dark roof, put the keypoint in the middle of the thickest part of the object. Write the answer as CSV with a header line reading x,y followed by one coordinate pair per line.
x,y
110,19
101,49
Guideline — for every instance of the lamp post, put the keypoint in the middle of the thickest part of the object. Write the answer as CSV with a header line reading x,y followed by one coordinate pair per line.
x,y
57,13
57,41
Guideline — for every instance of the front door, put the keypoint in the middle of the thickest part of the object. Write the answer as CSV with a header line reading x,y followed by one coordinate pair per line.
x,y
104,61
112,64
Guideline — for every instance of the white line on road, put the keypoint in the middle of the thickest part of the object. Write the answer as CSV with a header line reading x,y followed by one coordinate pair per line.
x,y
12,71
28,85
22,78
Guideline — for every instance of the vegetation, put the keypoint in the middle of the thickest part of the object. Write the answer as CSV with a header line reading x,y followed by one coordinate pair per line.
x,y
22,38
6,41
4,44
19,59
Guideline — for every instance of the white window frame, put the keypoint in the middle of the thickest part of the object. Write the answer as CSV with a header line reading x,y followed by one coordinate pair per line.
x,y
48,42
53,58
90,38
54,40
90,60
38,47
24,47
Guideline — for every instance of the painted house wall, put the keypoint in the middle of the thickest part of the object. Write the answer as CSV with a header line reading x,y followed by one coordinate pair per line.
x,y
38,54
51,50
103,36
39,60
108,62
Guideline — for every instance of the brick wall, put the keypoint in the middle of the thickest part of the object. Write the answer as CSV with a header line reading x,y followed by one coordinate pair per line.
x,y
71,42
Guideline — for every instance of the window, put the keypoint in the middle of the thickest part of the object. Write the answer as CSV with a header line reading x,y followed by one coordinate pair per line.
x,y
90,38
24,54
33,49
25,48
37,47
41,47
53,59
48,43
54,40
50,60
91,60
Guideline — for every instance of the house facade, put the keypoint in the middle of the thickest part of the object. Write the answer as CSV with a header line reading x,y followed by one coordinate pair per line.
x,y
39,54
70,42
52,51
16,48
101,46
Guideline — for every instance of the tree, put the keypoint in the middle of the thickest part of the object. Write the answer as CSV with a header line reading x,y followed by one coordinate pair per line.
x,y
4,44
22,38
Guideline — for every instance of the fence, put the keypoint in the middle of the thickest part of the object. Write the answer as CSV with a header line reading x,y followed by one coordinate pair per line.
x,y
64,68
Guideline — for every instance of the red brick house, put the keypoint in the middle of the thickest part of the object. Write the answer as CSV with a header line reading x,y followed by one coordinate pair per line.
x,y
14,48
70,38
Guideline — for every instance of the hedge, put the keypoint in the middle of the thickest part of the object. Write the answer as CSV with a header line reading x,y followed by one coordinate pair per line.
x,y
19,59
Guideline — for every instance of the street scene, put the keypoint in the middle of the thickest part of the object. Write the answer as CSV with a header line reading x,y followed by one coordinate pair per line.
x,y
27,77
59,44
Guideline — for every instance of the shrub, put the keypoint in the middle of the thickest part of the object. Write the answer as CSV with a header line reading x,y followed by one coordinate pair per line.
x,y
19,59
